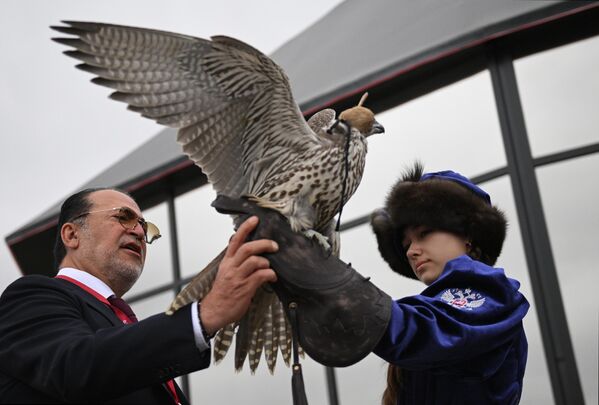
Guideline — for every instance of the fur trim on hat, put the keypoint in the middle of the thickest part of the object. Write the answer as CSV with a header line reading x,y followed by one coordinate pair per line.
x,y
439,204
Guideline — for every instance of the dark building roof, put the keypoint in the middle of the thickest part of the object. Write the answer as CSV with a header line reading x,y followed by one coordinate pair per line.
x,y
380,45
363,42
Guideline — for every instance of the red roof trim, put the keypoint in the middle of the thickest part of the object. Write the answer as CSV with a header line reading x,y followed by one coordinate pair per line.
x,y
38,229
447,53
158,176
49,223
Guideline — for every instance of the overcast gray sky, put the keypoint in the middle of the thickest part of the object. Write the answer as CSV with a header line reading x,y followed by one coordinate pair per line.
x,y
58,130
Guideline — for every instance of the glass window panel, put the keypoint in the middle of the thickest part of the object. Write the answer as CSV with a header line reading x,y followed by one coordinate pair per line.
x,y
572,217
222,385
537,384
203,232
152,305
359,248
559,89
158,269
364,382
454,127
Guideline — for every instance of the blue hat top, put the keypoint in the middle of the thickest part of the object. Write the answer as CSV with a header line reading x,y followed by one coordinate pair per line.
x,y
458,178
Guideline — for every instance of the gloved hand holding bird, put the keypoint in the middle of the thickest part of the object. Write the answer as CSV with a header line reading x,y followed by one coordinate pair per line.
x,y
238,121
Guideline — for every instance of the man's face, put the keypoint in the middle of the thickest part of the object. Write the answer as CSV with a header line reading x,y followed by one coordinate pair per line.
x,y
106,249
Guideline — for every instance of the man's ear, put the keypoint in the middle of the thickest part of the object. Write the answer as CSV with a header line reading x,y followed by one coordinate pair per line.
x,y
70,235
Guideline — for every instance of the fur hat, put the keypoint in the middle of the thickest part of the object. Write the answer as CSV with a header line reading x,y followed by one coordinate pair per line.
x,y
446,201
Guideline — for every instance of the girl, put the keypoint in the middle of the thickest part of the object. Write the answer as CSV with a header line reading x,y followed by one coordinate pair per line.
x,y
461,340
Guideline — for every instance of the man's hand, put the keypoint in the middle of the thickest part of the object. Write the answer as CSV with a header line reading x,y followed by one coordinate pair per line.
x,y
240,273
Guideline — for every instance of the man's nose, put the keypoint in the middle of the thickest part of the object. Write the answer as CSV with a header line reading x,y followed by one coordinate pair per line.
x,y
138,230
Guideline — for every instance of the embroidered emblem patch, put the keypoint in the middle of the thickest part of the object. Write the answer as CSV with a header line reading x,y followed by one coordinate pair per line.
x,y
463,298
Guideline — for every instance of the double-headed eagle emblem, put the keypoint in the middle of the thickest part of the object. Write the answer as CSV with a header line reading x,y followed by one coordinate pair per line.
x,y
465,299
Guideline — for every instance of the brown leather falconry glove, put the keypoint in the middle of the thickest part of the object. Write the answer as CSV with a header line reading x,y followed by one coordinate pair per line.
x,y
341,315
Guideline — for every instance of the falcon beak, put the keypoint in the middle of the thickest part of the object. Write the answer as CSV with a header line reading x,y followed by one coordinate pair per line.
x,y
377,128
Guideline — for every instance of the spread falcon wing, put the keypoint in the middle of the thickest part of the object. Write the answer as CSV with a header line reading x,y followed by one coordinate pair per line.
x,y
321,121
230,102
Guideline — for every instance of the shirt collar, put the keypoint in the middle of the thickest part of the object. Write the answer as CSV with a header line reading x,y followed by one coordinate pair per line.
x,y
89,280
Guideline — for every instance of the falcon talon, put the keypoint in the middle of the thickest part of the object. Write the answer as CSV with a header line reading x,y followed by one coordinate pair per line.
x,y
318,238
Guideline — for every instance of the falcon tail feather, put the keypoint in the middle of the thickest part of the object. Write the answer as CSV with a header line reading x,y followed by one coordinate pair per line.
x,y
198,287
222,341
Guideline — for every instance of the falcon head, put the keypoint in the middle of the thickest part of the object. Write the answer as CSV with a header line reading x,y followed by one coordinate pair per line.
x,y
362,119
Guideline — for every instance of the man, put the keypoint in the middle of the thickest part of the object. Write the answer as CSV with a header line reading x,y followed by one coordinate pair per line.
x,y
66,339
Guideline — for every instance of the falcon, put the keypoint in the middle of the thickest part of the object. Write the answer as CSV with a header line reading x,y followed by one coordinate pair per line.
x,y
238,121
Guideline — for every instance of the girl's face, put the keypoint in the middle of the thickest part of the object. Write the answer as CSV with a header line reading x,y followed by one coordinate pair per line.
x,y
428,250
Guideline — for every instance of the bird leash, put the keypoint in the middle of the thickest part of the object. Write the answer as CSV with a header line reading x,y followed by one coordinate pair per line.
x,y
347,129
298,389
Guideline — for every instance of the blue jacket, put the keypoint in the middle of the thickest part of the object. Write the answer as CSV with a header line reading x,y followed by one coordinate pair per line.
x,y
461,340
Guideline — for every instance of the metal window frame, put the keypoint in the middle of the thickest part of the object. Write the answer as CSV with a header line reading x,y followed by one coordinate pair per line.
x,y
176,287
559,354
561,363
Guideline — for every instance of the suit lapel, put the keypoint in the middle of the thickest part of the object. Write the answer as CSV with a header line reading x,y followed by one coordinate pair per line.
x,y
92,302
111,317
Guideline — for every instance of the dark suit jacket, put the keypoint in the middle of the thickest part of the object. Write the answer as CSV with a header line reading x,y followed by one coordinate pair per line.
x,y
60,344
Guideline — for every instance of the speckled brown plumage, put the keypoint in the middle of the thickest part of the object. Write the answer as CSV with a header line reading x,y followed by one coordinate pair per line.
x,y
238,122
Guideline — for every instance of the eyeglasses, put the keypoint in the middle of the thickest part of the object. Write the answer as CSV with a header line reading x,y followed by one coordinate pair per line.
x,y
129,220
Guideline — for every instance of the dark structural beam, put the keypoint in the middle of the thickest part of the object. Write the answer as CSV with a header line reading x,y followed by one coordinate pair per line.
x,y
174,244
332,385
539,257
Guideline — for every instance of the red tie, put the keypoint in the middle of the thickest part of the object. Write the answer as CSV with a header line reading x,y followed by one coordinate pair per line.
x,y
123,306
126,309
